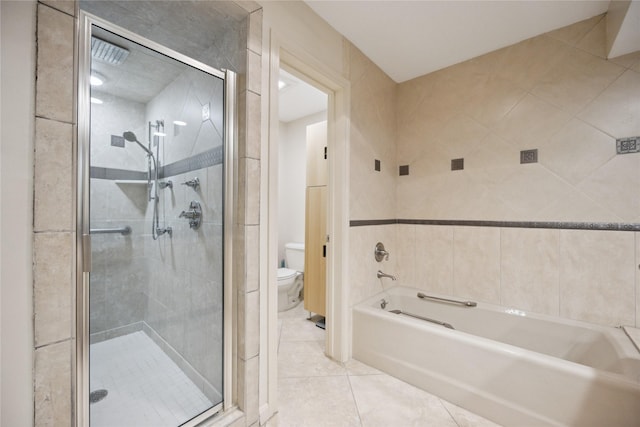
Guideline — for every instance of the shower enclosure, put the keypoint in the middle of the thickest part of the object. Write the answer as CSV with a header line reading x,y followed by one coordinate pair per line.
x,y
155,166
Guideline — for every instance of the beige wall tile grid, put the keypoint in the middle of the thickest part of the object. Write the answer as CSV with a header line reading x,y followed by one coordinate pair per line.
x,y
555,93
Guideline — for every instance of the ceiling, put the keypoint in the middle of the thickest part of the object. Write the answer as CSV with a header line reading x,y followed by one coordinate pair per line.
x,y
407,39
142,75
298,99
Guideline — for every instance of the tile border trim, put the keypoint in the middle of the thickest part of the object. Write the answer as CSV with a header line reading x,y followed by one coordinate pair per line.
x,y
561,225
202,160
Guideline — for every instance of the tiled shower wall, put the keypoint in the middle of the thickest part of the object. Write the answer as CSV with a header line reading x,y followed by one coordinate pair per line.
x,y
54,234
117,291
184,296
555,93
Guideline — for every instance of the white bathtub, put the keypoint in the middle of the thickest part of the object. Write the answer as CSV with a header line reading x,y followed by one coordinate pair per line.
x,y
512,367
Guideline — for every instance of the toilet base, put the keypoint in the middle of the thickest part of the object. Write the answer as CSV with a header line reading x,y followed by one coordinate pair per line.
x,y
289,296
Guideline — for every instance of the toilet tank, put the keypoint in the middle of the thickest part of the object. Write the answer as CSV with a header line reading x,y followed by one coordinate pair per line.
x,y
294,255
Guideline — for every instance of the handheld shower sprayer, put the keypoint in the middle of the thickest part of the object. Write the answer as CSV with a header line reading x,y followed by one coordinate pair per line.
x,y
131,137
155,227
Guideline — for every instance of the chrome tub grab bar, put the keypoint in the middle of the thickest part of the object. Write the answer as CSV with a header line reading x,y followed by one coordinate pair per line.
x,y
451,301
122,230
426,319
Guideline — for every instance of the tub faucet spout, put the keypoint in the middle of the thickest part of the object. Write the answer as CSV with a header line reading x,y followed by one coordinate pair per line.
x,y
381,274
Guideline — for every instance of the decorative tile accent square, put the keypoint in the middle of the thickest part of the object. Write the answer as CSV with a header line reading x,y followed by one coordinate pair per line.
x,y
529,156
117,141
404,170
457,164
376,165
628,145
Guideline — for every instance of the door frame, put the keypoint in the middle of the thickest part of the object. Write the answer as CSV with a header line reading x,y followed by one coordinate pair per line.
x,y
337,87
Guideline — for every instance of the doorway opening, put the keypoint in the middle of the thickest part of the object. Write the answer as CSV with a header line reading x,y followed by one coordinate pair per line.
x,y
302,212
336,343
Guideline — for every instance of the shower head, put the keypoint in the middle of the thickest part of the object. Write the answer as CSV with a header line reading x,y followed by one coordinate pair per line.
x,y
108,52
131,137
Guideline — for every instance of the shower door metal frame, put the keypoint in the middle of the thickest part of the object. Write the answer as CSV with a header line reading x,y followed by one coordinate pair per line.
x,y
83,237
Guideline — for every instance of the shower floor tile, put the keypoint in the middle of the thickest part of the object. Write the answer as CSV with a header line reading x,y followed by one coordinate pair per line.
x,y
145,387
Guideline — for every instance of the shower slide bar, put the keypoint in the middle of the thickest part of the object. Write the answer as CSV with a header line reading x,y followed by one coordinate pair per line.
x,y
126,230
451,301
426,319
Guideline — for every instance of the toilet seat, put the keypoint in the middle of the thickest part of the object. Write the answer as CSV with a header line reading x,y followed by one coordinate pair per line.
x,y
286,273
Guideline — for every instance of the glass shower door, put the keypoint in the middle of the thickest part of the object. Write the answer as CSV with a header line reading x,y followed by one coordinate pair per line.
x,y
156,211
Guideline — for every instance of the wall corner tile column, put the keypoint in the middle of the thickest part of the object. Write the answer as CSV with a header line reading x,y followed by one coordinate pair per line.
x,y
54,235
55,72
66,6
247,227
52,383
53,292
53,177
254,41
248,191
248,389
249,321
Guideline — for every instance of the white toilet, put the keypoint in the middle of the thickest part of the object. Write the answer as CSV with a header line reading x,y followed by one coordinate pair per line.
x,y
290,279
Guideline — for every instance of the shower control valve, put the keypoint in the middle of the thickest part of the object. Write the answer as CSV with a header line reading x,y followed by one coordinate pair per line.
x,y
380,252
193,183
194,215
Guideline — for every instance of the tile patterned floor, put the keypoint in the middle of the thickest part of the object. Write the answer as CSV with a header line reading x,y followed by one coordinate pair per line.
x,y
145,387
315,391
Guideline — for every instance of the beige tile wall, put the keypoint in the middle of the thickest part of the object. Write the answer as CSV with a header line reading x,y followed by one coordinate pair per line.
x,y
556,93
372,136
363,268
372,194
581,275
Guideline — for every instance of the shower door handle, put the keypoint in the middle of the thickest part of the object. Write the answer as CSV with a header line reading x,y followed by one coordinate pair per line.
x,y
86,253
